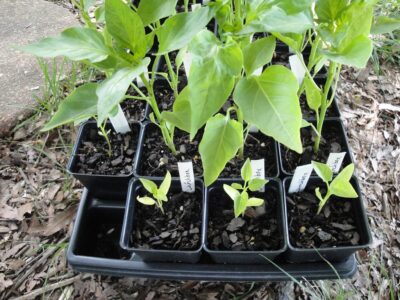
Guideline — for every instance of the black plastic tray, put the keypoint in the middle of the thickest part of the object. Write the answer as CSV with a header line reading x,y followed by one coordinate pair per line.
x,y
204,270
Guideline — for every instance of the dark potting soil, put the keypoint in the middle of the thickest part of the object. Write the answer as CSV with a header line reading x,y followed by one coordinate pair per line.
x,y
107,242
334,226
331,142
182,73
309,113
165,95
157,157
93,155
257,231
178,229
257,146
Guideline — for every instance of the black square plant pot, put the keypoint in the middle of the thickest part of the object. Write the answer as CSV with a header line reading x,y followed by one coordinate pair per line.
x,y
216,193
161,253
289,159
350,212
104,185
97,229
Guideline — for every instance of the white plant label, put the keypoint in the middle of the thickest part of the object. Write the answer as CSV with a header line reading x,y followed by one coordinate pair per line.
x,y
195,6
300,178
186,176
187,62
205,2
139,80
119,122
258,71
335,161
258,169
253,129
297,68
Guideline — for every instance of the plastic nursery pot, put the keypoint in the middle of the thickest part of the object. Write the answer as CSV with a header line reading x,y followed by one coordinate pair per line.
x,y
333,140
104,184
154,158
219,230
155,234
340,219
97,230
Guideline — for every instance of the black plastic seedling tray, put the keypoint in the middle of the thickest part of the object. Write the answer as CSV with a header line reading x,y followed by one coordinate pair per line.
x,y
94,213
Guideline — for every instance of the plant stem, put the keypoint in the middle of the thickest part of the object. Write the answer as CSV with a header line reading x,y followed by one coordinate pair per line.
x,y
241,121
105,135
324,104
172,75
186,4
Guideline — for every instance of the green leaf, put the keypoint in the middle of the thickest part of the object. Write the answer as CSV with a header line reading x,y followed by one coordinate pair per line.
x,y
318,194
341,186
232,193
329,10
241,204
246,172
313,94
100,14
221,140
275,19
146,200
181,113
258,53
383,25
179,30
270,103
112,90
256,184
149,185
323,171
255,201
165,185
80,105
159,195
293,40
237,186
153,10
356,54
75,43
212,76
126,26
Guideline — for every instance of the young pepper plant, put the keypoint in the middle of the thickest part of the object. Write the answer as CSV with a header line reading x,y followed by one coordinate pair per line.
x,y
340,186
159,194
239,193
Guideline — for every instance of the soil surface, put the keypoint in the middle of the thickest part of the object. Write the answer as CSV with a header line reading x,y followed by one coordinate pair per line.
x,y
178,229
257,231
165,95
94,159
335,226
157,158
331,142
257,146
135,110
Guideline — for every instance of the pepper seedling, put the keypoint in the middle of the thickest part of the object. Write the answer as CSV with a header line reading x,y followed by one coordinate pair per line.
x,y
241,199
159,193
340,186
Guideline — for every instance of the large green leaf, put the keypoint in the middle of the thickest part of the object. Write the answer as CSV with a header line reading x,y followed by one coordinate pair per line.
x,y
270,102
275,19
294,6
80,105
341,186
112,90
153,10
385,24
221,140
212,76
258,53
329,10
126,26
313,94
356,54
179,30
76,43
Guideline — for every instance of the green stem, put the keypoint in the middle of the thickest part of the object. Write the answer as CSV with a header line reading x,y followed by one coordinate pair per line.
x,y
172,75
324,104
241,121
186,4
323,202
105,135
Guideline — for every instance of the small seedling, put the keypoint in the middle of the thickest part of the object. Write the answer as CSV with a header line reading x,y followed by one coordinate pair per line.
x,y
241,199
159,193
340,186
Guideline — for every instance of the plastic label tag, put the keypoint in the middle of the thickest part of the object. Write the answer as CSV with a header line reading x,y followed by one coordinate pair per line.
x,y
300,178
119,122
253,129
139,80
258,71
187,62
195,6
186,176
258,169
335,161
297,68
